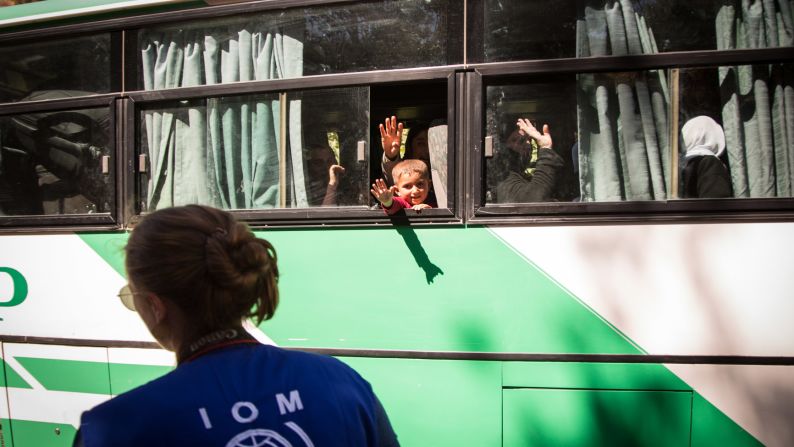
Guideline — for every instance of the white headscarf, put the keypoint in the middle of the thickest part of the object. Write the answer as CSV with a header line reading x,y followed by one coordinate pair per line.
x,y
703,136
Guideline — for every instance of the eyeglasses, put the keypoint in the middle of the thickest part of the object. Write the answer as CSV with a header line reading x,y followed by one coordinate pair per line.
x,y
126,295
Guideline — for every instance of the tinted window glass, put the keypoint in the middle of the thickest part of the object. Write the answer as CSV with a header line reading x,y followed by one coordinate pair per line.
x,y
42,70
52,163
545,29
298,42
753,107
612,139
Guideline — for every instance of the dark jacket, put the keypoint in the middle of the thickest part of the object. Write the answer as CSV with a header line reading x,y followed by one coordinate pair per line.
x,y
706,177
518,188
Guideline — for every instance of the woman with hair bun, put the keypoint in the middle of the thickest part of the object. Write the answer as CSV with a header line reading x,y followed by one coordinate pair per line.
x,y
195,274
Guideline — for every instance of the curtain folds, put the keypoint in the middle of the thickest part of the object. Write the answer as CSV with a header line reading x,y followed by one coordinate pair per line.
x,y
758,100
225,151
624,149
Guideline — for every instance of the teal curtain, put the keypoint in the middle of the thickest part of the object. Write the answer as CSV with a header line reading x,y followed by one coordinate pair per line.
x,y
624,149
224,153
758,100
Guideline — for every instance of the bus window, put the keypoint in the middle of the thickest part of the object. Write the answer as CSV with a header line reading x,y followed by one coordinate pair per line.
x,y
422,109
332,140
519,169
55,163
513,29
612,136
76,64
301,42
233,153
751,105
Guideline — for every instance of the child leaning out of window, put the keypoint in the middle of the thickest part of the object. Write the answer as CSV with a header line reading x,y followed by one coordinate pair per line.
x,y
411,186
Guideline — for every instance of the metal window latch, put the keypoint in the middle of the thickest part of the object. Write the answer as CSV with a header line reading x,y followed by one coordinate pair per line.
x,y
105,161
142,163
488,147
361,151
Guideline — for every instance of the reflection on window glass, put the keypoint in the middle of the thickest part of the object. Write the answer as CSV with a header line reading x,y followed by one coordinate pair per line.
x,y
611,132
30,71
52,163
521,169
332,138
752,135
298,42
229,152
518,29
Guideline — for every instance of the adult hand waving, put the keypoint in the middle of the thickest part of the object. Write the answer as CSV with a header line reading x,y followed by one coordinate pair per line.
x,y
391,134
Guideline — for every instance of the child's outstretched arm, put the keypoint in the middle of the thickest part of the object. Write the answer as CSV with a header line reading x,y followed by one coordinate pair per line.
x,y
383,193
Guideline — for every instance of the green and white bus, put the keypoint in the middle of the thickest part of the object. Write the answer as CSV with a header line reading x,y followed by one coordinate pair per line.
x,y
619,309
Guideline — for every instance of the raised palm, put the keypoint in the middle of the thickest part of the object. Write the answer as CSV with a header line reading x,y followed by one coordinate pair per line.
x,y
391,134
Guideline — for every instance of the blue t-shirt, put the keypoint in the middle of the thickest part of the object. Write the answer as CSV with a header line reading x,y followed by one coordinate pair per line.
x,y
245,395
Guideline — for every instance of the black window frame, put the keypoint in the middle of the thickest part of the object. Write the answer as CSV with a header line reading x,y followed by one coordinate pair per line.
x,y
318,216
466,86
98,221
126,102
671,210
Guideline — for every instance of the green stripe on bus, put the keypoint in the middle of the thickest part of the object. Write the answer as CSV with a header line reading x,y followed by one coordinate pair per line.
x,y
437,403
69,375
566,417
6,435
11,378
425,289
711,427
109,246
616,376
124,377
39,434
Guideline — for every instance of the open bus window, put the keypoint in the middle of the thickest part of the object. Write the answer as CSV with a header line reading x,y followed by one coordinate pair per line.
x,y
76,64
302,42
288,150
613,135
55,163
515,30
422,109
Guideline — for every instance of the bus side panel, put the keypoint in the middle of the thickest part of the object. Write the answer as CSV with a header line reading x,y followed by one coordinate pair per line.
x,y
437,402
55,385
6,436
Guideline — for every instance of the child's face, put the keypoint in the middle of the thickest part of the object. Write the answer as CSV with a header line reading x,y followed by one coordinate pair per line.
x,y
413,187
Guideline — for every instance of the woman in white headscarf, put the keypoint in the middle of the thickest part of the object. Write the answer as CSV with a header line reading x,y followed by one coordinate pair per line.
x,y
705,175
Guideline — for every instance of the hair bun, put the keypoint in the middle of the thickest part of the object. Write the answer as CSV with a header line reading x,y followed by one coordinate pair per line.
x,y
237,258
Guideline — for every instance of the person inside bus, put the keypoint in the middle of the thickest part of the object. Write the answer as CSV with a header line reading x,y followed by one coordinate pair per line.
x,y
410,190
537,183
416,147
195,273
705,175
323,174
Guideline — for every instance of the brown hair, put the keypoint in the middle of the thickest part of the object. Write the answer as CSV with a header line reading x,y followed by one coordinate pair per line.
x,y
409,166
204,261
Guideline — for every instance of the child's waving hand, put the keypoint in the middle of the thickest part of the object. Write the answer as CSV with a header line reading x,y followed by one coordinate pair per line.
x,y
382,192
